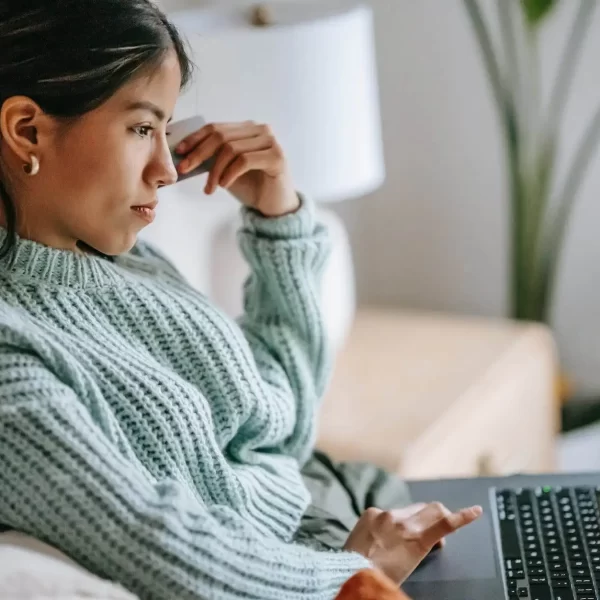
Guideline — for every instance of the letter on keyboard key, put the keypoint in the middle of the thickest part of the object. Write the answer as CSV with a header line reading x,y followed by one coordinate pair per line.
x,y
515,574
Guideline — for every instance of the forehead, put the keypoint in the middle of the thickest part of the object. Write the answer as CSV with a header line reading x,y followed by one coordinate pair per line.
x,y
159,88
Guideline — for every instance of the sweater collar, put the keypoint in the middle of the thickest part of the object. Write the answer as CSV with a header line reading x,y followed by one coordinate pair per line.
x,y
43,264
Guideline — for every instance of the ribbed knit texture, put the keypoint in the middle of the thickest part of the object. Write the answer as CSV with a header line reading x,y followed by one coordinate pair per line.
x,y
153,439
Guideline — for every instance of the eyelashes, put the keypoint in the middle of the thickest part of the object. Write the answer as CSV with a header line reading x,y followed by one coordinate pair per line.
x,y
147,129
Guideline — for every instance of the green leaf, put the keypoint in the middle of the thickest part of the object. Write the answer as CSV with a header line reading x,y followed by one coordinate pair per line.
x,y
536,10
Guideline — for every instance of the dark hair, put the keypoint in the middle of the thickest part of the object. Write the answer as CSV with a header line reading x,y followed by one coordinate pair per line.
x,y
70,56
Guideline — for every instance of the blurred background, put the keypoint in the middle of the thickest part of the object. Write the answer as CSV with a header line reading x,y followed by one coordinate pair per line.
x,y
464,300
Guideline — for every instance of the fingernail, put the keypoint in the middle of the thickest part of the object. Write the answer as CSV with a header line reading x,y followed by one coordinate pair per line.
x,y
183,165
477,510
180,147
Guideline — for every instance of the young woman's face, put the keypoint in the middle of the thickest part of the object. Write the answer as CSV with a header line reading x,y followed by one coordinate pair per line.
x,y
92,174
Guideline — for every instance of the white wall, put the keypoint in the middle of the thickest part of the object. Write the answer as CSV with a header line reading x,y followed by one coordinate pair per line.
x,y
435,235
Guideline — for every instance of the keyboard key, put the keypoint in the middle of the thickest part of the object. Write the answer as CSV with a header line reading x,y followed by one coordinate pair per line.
x,y
581,572
531,538
577,556
523,592
561,583
514,563
578,564
537,562
582,580
540,592
515,574
509,540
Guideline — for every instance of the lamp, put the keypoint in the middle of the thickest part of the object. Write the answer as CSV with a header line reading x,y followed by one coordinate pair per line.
x,y
307,69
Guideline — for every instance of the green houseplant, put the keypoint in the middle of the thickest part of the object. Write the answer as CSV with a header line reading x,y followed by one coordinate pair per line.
x,y
540,206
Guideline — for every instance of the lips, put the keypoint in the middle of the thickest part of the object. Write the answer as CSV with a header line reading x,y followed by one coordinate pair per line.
x,y
146,211
150,205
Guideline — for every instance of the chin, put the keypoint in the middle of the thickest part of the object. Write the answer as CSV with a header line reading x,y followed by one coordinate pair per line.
x,y
125,246
114,246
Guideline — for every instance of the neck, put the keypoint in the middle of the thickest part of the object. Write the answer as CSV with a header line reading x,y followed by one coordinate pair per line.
x,y
42,264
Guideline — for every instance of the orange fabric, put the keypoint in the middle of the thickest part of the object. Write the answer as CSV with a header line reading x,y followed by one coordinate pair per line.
x,y
370,584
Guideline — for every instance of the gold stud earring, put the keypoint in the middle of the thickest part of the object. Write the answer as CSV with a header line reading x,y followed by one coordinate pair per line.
x,y
33,168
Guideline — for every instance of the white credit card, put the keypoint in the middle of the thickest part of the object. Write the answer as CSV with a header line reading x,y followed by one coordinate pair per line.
x,y
179,130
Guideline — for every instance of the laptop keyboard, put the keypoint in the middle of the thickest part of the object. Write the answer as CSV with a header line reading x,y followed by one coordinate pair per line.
x,y
550,542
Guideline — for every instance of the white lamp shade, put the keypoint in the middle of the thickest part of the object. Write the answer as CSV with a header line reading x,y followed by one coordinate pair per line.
x,y
311,76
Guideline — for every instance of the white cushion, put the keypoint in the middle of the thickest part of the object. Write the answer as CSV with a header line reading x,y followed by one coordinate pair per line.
x,y
32,570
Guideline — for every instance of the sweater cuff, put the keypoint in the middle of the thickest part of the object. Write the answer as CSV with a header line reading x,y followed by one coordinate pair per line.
x,y
301,223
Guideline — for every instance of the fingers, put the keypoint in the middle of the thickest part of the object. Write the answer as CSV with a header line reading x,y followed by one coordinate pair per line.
x,y
252,161
205,142
192,140
435,522
408,511
439,545
430,525
228,154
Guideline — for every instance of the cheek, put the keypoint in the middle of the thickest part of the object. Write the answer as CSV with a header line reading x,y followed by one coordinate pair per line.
x,y
88,165
112,173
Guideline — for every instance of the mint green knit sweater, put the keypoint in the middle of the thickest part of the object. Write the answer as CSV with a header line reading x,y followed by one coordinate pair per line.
x,y
153,439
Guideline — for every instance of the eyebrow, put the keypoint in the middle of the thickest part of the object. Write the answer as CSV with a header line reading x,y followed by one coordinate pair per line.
x,y
146,105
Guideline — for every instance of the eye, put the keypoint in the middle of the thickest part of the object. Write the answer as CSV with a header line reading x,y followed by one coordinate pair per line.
x,y
143,128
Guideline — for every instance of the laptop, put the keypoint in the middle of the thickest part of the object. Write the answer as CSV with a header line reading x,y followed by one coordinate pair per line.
x,y
538,539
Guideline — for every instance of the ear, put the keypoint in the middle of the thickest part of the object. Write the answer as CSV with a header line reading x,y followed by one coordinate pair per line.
x,y
24,127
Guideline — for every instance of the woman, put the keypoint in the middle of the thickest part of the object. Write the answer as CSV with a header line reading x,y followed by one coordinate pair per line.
x,y
143,433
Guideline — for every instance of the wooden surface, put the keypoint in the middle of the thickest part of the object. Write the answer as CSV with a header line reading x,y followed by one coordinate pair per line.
x,y
429,395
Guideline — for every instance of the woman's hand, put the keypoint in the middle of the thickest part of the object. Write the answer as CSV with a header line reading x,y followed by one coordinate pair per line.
x,y
396,541
248,161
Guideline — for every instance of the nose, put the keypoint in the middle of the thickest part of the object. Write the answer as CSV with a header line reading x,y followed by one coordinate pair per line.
x,y
166,173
